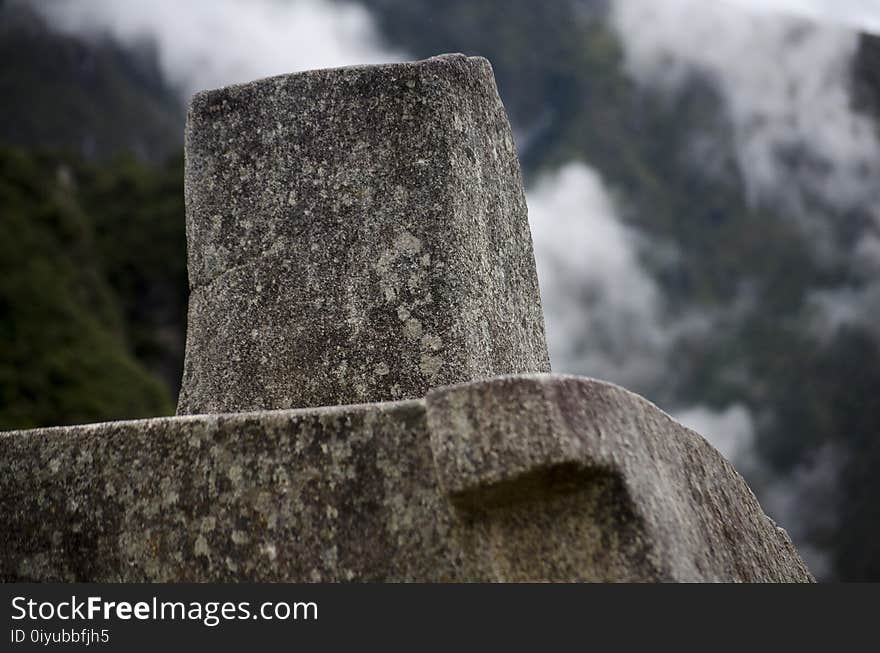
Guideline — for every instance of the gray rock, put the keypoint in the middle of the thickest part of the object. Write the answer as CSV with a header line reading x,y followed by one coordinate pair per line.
x,y
533,477
312,495
355,235
568,478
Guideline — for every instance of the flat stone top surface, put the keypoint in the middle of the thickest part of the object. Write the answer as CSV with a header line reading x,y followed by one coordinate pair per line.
x,y
530,477
355,235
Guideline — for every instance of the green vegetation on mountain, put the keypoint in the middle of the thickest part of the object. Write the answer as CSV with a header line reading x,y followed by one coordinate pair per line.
x,y
66,353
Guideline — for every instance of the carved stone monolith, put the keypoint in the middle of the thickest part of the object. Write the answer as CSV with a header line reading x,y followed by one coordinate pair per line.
x,y
355,235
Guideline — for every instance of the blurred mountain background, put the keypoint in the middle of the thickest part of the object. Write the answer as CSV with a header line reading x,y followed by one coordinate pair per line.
x,y
703,191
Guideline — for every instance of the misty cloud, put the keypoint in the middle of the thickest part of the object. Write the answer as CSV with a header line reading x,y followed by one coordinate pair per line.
x,y
848,306
211,43
731,431
800,145
806,503
785,82
602,309
861,14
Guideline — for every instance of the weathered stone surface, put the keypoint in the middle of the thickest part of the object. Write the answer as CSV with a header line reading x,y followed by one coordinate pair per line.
x,y
532,477
319,495
598,484
357,234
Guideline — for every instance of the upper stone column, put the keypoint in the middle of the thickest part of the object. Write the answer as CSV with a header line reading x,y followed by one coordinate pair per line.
x,y
355,235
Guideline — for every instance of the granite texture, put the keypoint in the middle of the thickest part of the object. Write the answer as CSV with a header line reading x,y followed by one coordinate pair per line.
x,y
355,235
529,477
598,484
320,495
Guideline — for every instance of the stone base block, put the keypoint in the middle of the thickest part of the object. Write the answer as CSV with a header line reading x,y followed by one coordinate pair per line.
x,y
535,477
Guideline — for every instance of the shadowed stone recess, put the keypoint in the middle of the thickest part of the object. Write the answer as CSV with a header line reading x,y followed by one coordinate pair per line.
x,y
531,477
355,235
